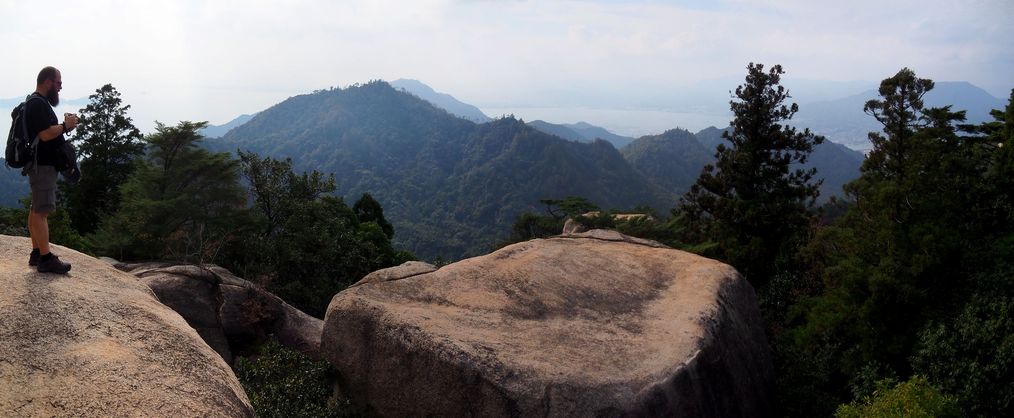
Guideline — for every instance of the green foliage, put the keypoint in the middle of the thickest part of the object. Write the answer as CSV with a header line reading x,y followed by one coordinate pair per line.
x,y
13,186
528,226
281,382
571,206
914,398
181,202
750,203
14,221
368,210
303,244
972,355
108,144
61,232
319,253
802,377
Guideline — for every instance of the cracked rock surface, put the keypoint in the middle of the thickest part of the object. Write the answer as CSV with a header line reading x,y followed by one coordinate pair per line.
x,y
96,342
587,324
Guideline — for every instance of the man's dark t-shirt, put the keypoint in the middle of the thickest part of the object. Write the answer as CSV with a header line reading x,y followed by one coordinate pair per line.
x,y
39,116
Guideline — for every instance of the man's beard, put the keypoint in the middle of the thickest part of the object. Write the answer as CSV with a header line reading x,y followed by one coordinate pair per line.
x,y
53,96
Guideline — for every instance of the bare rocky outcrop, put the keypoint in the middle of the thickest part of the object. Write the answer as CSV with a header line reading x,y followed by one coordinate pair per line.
x,y
230,313
589,324
96,342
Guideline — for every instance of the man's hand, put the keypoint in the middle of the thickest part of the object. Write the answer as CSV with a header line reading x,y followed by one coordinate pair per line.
x,y
70,120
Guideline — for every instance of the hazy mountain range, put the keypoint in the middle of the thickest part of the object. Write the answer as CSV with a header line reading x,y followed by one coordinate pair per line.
x,y
453,187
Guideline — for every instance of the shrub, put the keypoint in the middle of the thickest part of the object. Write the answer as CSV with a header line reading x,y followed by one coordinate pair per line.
x,y
912,399
972,355
281,382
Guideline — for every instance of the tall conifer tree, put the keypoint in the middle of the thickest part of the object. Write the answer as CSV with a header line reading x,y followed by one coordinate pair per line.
x,y
108,143
752,203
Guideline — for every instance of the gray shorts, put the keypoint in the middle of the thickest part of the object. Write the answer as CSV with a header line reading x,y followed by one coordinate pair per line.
x,y
42,180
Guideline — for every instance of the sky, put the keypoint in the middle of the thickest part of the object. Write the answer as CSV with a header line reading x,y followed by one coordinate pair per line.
x,y
214,60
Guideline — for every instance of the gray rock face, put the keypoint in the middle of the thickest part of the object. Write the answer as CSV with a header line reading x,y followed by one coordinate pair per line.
x,y
97,343
590,324
229,313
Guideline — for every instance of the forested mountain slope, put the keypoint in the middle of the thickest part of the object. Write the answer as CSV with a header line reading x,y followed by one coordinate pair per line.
x,y
451,187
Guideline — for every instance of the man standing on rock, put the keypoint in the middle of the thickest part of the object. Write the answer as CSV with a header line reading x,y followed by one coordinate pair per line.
x,y
42,123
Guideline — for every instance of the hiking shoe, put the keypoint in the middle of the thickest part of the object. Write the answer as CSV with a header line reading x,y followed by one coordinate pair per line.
x,y
53,265
33,258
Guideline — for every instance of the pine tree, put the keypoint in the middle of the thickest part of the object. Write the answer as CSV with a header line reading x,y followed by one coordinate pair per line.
x,y
751,203
181,203
900,112
108,143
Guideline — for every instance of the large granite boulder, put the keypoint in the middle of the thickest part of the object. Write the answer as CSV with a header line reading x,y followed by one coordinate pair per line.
x,y
230,313
96,342
589,324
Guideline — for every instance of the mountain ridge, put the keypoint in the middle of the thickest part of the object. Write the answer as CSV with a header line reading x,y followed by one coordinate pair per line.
x,y
450,186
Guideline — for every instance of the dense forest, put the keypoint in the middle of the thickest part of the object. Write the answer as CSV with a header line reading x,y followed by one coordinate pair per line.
x,y
895,297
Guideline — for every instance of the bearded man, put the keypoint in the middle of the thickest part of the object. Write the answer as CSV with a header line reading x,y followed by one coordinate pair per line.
x,y
43,124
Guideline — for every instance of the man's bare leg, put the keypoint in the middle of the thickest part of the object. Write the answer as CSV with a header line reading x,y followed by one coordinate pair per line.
x,y
38,228
31,230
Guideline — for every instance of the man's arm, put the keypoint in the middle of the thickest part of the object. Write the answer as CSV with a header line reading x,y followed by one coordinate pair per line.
x,y
53,132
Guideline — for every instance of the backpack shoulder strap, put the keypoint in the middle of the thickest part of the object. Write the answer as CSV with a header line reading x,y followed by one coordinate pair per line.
x,y
24,105
24,118
33,96
24,108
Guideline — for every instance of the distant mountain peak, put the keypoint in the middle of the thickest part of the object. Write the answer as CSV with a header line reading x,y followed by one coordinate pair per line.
x,y
216,131
441,100
412,85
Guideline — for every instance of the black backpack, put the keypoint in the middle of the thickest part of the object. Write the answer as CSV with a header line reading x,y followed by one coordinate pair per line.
x,y
20,149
